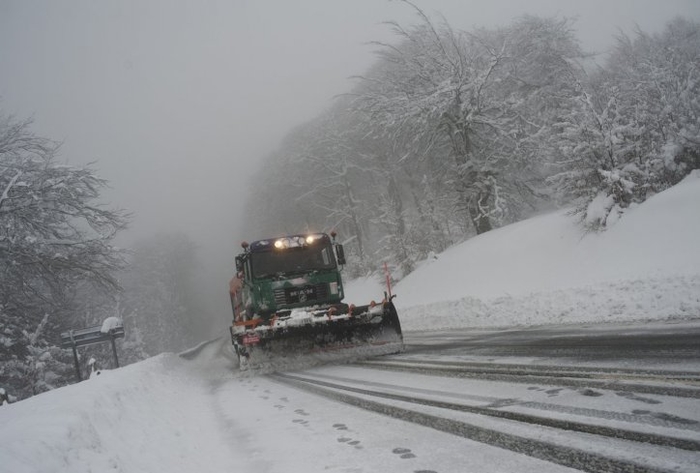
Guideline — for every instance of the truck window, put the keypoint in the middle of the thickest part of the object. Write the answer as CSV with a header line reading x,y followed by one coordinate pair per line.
x,y
292,260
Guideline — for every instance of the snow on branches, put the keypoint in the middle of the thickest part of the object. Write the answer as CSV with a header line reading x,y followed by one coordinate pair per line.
x,y
633,128
483,94
53,237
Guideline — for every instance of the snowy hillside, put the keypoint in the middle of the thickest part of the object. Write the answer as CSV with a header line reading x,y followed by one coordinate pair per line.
x,y
544,270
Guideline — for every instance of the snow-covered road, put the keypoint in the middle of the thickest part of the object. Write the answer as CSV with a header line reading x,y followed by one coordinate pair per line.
x,y
613,418
440,408
447,405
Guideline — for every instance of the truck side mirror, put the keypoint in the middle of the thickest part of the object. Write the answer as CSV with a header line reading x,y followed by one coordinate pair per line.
x,y
340,254
239,264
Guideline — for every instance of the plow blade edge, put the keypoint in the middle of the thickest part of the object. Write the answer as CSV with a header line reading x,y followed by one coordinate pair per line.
x,y
365,333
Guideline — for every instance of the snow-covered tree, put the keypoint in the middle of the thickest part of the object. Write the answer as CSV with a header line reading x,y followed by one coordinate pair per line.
x,y
54,236
473,92
633,128
588,149
659,77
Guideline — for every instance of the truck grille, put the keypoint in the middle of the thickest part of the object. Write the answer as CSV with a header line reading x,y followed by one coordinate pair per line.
x,y
301,294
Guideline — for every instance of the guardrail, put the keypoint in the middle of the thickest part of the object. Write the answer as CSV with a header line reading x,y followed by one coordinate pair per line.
x,y
89,336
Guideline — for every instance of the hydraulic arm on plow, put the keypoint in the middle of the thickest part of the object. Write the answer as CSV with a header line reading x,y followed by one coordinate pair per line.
x,y
287,302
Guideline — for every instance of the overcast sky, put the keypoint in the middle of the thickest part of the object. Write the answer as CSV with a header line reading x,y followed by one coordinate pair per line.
x,y
177,101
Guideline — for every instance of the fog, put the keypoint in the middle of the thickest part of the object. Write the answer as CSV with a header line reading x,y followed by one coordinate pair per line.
x,y
177,103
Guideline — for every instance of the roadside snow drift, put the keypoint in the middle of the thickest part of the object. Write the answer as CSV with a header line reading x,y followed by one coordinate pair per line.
x,y
141,418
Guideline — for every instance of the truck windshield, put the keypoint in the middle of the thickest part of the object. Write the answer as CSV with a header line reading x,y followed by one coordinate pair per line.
x,y
292,260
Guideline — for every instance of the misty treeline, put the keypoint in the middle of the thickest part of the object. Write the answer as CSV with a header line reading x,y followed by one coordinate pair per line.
x,y
59,270
453,133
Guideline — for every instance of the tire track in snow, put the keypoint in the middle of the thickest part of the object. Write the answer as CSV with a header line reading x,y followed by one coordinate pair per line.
x,y
554,376
640,416
549,370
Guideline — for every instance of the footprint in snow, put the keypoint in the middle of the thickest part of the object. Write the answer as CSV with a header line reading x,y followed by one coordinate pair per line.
x,y
301,412
340,426
502,403
403,452
349,441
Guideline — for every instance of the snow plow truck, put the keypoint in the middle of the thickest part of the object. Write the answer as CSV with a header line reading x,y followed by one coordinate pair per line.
x,y
287,300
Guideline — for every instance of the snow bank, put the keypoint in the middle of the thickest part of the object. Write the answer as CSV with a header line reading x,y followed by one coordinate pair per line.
x,y
629,300
139,418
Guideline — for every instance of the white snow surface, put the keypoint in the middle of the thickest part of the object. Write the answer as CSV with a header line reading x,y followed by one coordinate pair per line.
x,y
111,323
196,413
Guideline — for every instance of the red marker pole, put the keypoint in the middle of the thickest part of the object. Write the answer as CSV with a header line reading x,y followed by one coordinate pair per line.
x,y
388,279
